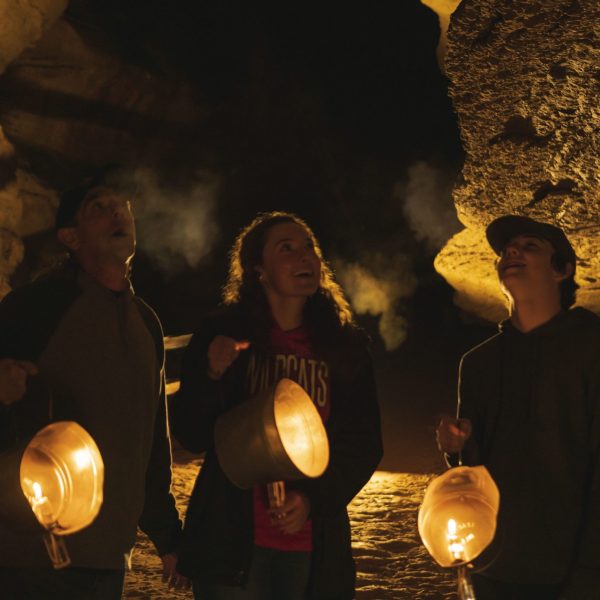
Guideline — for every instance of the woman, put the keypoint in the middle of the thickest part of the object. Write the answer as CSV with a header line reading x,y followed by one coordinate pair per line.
x,y
285,316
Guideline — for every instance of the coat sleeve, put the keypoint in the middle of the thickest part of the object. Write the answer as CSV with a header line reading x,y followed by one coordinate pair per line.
x,y
194,409
15,433
355,444
160,519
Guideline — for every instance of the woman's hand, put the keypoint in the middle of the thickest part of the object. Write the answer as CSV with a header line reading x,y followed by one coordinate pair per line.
x,y
293,514
222,352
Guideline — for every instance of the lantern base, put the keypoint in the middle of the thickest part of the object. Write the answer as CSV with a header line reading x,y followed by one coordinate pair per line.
x,y
57,550
465,586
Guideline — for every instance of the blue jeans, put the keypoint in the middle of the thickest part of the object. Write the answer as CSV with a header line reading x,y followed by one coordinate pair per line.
x,y
46,583
274,575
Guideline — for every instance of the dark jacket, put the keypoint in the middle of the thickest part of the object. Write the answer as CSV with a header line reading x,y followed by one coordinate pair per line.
x,y
534,401
218,533
100,357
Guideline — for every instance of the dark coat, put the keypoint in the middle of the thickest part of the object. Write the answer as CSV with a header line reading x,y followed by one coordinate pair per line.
x,y
534,402
218,533
31,318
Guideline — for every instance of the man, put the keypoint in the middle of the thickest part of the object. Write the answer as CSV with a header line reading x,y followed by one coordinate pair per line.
x,y
79,345
529,410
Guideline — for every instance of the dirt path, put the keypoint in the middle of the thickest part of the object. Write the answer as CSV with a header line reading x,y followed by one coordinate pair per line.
x,y
392,563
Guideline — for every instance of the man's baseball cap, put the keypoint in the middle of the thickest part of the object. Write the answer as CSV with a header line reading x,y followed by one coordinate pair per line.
x,y
112,176
503,229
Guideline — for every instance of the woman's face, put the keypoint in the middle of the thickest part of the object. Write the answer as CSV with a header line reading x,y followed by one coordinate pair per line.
x,y
290,267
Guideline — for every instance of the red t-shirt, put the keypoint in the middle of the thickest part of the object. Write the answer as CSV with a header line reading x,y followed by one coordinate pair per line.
x,y
293,358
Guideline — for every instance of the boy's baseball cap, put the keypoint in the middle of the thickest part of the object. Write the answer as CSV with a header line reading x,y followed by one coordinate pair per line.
x,y
503,229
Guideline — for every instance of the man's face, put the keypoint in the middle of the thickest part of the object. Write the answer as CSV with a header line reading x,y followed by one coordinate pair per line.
x,y
104,229
525,267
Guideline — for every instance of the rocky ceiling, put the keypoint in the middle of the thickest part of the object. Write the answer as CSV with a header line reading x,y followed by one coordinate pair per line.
x,y
525,78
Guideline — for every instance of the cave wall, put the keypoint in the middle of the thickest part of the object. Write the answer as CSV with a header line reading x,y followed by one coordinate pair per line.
x,y
525,82
70,102
26,206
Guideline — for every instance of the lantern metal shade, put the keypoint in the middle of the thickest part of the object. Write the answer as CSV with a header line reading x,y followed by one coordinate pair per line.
x,y
457,519
62,477
277,435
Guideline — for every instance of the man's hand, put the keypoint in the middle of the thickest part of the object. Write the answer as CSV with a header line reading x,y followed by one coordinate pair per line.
x,y
222,351
170,576
13,379
293,514
451,434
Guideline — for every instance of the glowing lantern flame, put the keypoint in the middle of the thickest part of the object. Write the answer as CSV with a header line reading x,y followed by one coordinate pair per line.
x,y
37,490
457,519
62,476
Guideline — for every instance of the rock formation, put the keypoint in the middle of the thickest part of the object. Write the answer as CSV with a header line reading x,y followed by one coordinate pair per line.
x,y
71,102
525,81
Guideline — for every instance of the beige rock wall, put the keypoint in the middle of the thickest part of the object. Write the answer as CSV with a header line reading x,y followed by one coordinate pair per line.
x,y
73,100
25,206
69,103
22,23
525,82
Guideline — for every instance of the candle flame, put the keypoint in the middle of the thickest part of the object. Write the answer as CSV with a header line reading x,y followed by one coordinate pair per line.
x,y
452,527
37,490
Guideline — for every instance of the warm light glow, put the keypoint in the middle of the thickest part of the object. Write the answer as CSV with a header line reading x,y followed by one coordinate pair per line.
x,y
301,429
282,434
37,490
457,519
62,476
455,547
82,458
451,527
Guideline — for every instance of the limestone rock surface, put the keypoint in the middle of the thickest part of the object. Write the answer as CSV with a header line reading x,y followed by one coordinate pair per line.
x,y
525,83
22,23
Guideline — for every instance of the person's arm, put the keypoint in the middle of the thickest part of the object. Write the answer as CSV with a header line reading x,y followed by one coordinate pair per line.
x,y
458,437
160,519
194,409
13,380
207,370
355,445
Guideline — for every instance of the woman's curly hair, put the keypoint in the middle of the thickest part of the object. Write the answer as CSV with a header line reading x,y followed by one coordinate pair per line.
x,y
326,312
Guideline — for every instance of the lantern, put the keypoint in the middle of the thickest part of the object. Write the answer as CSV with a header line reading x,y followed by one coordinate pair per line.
x,y
62,477
457,519
277,435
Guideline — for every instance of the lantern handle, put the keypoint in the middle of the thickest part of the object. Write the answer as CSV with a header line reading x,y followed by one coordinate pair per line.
x,y
57,549
465,586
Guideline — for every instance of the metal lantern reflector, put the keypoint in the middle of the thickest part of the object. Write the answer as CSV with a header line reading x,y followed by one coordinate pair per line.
x,y
277,435
62,475
457,519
